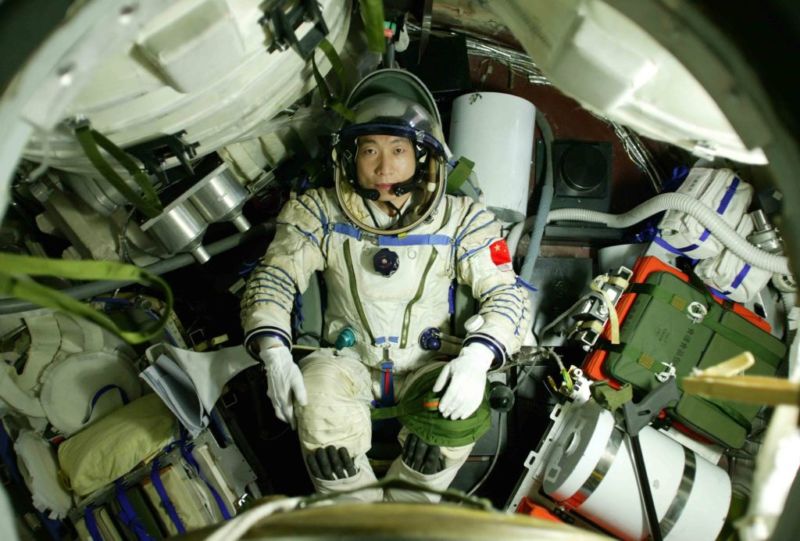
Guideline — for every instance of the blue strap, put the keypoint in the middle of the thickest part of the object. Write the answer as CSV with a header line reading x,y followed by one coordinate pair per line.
x,y
128,515
347,229
526,285
383,339
451,298
726,199
101,392
186,452
415,240
741,276
670,248
155,477
8,457
91,524
387,384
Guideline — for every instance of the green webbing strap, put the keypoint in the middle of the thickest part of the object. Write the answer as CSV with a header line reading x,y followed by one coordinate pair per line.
x,y
610,398
459,174
15,281
331,98
372,16
711,321
89,139
418,411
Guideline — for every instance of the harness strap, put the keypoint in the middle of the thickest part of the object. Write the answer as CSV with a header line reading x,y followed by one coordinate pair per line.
x,y
155,477
186,452
91,524
128,514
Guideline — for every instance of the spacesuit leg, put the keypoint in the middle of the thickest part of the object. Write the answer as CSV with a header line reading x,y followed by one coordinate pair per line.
x,y
453,458
338,415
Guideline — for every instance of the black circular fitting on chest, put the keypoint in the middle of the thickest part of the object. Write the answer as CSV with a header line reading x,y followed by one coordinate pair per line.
x,y
386,262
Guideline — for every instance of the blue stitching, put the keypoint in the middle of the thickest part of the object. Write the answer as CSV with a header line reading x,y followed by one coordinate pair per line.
x,y
271,279
288,276
471,231
252,291
501,314
311,212
252,303
500,310
323,218
311,236
474,250
474,217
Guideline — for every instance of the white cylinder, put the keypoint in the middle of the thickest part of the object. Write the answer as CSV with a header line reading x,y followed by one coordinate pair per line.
x,y
590,470
495,131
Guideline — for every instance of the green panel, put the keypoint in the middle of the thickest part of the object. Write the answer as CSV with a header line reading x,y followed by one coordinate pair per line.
x,y
657,330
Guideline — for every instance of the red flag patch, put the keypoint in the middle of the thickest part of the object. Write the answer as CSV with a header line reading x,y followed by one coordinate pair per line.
x,y
500,253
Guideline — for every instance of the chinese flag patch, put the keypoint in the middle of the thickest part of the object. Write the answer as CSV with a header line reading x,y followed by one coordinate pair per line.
x,y
500,253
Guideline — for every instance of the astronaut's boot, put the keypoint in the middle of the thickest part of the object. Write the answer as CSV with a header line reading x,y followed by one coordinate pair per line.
x,y
425,464
333,470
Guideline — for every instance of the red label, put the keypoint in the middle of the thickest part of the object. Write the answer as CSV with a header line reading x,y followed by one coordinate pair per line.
x,y
499,251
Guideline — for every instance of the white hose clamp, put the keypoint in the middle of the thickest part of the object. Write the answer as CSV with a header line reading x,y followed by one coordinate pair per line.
x,y
696,312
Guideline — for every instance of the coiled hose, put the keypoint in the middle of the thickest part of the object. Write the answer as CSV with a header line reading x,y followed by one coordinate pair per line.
x,y
694,208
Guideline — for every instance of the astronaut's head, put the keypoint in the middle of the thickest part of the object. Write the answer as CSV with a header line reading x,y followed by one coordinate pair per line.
x,y
391,156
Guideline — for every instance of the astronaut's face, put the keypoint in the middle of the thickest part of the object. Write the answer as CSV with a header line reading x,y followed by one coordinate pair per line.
x,y
383,161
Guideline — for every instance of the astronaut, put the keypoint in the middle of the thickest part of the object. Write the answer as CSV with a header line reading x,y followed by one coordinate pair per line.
x,y
390,246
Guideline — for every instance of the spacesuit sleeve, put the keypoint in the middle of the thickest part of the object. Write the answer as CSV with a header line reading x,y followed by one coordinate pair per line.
x,y
284,272
484,263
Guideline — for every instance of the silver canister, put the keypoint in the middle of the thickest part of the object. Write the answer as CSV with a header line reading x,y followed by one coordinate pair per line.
x,y
219,197
180,228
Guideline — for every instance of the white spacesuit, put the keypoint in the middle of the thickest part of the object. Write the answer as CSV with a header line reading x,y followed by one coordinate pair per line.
x,y
390,248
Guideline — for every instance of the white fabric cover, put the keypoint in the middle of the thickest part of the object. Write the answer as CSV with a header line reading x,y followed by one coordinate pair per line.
x,y
710,186
37,464
730,275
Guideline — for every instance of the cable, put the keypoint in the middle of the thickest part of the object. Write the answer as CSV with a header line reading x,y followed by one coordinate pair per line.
x,y
694,208
545,201
500,431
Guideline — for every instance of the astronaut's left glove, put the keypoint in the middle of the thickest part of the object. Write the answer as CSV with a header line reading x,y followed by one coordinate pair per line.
x,y
467,376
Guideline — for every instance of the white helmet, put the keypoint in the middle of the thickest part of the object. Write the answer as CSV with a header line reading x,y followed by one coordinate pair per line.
x,y
392,102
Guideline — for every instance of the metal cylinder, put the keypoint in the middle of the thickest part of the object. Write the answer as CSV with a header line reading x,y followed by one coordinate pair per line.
x,y
219,198
180,228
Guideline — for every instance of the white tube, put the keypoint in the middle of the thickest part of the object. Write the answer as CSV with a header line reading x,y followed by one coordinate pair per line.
x,y
691,206
512,239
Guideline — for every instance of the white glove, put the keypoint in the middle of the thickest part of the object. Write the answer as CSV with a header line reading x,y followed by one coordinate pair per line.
x,y
467,376
284,379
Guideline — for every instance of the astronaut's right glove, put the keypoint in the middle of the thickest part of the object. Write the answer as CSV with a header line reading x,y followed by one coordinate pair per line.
x,y
284,379
467,376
